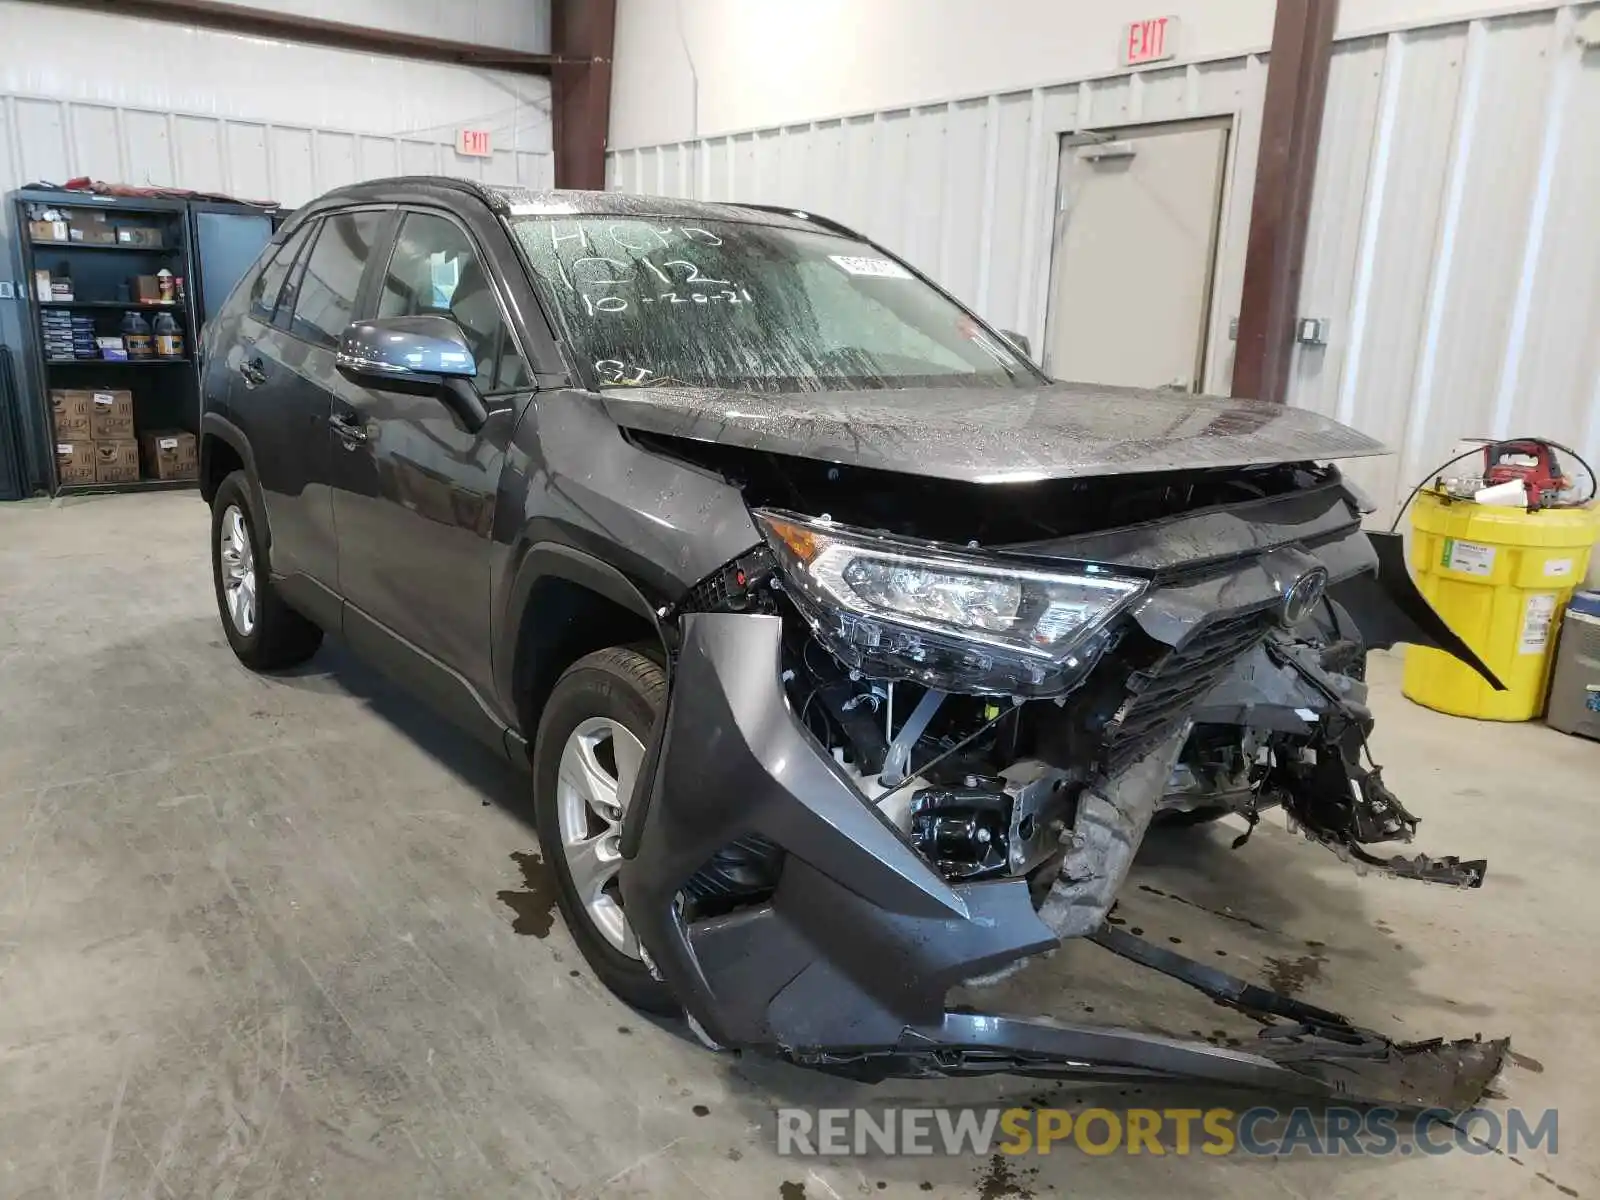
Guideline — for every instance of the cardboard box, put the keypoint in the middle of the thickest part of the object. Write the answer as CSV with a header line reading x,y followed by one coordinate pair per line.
x,y
138,235
48,231
69,408
75,461
147,289
169,454
41,284
91,228
111,416
116,461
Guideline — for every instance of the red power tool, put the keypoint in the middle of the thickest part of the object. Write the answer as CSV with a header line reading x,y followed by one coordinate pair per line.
x,y
1531,463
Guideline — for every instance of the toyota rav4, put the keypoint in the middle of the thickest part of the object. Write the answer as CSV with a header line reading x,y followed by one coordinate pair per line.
x,y
852,656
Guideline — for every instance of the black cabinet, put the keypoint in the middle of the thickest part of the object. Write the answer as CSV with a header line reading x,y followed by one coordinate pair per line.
x,y
118,290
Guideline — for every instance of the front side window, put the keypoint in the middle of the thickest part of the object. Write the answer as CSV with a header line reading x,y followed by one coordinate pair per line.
x,y
434,270
325,294
763,307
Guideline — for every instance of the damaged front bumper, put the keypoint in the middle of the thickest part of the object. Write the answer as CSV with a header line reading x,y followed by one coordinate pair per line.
x,y
846,966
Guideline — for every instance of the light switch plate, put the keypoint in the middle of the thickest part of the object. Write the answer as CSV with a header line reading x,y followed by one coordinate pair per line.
x,y
7,292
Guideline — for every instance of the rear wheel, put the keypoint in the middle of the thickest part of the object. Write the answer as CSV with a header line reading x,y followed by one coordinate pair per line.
x,y
265,633
586,758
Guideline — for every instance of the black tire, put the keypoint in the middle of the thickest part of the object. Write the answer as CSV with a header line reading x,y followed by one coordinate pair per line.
x,y
631,689
279,637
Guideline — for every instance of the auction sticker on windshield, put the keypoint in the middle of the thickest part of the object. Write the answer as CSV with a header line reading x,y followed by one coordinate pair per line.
x,y
883,268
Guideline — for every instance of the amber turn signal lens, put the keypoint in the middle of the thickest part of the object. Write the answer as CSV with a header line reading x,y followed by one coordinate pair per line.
x,y
802,542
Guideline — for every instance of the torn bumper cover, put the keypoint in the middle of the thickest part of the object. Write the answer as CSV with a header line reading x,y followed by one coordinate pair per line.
x,y
847,965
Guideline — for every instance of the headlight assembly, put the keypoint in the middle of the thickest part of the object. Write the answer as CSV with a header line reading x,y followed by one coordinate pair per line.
x,y
899,609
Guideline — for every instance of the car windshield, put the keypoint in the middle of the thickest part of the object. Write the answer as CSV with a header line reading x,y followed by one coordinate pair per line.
x,y
728,304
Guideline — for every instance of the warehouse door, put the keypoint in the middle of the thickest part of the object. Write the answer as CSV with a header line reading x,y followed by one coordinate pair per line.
x,y
1135,244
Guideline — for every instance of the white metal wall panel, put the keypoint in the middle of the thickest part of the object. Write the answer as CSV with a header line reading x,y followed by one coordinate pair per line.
x,y
1453,244
502,24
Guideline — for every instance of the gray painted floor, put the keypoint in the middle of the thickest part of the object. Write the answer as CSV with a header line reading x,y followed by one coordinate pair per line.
x,y
264,937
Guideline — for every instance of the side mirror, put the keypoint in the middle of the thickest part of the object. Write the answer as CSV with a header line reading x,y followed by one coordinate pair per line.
x,y
423,356
1017,340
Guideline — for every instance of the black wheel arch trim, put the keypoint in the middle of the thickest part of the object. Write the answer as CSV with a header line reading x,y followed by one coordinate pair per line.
x,y
544,560
216,425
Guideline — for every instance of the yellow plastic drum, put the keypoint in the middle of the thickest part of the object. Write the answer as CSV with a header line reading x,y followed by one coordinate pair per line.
x,y
1501,577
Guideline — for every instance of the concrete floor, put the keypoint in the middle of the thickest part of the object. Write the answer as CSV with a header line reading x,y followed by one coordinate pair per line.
x,y
280,936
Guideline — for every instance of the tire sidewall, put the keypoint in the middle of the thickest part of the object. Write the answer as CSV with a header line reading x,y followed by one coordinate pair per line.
x,y
586,691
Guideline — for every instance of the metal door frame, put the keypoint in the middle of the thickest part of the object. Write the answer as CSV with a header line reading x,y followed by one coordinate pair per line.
x,y
1059,216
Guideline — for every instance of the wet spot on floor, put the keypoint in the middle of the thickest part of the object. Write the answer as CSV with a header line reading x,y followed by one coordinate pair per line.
x,y
1136,931
1290,975
574,974
882,1186
700,1110
791,1191
925,1186
1088,1008
1525,1062
1222,954
624,1030
1176,941
999,1180
535,905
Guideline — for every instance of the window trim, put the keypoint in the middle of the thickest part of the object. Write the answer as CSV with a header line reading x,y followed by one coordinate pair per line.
x,y
294,244
507,325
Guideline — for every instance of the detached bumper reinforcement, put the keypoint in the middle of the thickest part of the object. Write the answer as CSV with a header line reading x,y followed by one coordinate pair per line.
x,y
1313,1052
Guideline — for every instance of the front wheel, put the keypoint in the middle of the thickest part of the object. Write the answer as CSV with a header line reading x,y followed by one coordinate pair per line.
x,y
586,759
265,633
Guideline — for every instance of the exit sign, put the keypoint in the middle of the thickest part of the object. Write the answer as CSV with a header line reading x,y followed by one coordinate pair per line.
x,y
473,142
1150,41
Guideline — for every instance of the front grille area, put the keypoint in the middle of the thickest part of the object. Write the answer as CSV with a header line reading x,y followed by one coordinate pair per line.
x,y
1163,694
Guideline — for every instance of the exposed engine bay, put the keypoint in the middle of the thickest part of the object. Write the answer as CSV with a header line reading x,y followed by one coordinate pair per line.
x,y
989,786
1017,689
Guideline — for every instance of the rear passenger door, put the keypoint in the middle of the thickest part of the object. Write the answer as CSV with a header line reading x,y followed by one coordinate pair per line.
x,y
287,381
414,491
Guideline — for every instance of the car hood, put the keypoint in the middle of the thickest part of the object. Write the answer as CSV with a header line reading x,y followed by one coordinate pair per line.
x,y
995,435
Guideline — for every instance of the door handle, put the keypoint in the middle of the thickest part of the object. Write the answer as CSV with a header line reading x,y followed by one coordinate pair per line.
x,y
352,432
254,371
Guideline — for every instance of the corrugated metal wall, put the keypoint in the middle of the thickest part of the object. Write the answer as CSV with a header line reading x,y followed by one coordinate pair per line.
x,y
1455,241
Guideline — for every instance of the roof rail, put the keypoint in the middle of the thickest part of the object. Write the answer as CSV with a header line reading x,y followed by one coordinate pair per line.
x,y
800,214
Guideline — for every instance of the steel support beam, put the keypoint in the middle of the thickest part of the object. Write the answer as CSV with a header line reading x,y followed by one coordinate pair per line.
x,y
216,14
582,32
1286,168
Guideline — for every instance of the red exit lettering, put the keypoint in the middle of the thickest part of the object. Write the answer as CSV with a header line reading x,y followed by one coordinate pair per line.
x,y
473,142
1148,41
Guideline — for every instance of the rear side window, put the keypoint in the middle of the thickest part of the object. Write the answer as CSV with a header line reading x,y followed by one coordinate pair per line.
x,y
324,296
268,286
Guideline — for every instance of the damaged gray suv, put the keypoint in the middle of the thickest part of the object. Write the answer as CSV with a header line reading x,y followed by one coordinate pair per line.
x,y
853,656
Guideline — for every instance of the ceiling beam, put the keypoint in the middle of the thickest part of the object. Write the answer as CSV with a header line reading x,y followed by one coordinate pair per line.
x,y
1286,169
315,31
581,34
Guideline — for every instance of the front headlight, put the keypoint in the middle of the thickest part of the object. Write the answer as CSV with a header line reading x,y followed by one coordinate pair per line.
x,y
899,609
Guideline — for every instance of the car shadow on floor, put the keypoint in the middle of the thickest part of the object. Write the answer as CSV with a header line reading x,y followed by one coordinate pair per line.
x,y
494,778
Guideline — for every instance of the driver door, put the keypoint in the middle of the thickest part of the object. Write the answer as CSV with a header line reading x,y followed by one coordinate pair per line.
x,y
413,490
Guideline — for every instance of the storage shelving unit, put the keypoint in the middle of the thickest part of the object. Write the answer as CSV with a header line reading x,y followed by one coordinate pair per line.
x,y
166,391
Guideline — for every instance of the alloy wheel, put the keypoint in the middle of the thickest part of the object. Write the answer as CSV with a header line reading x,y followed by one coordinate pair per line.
x,y
238,569
599,765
